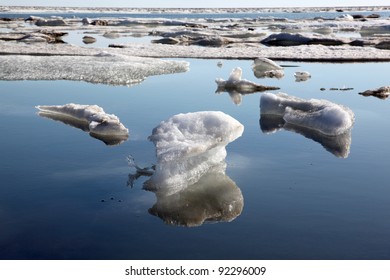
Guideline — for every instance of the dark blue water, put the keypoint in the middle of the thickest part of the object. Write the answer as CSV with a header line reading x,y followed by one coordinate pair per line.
x,y
63,194
311,15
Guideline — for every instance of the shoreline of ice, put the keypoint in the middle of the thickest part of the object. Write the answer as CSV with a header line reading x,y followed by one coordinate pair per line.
x,y
42,9
342,39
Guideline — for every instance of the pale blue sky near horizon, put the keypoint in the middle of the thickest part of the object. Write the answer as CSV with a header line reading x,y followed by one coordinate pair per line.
x,y
193,3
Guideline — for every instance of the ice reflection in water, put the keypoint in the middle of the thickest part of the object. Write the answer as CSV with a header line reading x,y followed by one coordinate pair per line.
x,y
214,198
109,140
189,178
325,122
338,145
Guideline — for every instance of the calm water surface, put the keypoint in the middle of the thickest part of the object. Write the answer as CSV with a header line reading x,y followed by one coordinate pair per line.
x,y
64,194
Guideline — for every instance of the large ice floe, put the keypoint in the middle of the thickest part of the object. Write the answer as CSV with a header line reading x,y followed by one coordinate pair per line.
x,y
325,122
236,86
106,68
89,118
189,178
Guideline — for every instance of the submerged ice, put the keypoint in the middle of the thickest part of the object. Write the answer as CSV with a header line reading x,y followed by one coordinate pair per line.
x,y
321,115
90,118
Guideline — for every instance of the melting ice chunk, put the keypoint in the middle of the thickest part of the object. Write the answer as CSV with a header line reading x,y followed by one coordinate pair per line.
x,y
320,115
302,76
91,118
187,146
264,67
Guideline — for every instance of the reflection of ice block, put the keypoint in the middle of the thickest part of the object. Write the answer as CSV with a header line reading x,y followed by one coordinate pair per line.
x,y
320,115
91,118
338,145
188,145
213,198
237,84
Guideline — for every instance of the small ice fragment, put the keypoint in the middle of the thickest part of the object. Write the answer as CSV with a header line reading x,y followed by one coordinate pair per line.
x,y
266,68
302,76
382,92
91,118
236,83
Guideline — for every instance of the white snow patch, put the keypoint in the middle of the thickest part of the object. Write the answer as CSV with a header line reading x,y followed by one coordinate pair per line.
x,y
104,67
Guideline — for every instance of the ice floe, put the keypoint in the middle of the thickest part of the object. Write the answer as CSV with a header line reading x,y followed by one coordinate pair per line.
x,y
89,118
187,146
302,76
382,92
321,115
266,68
103,67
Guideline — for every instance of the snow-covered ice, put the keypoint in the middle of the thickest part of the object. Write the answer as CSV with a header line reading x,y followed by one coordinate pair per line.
x,y
188,145
103,67
320,115
91,118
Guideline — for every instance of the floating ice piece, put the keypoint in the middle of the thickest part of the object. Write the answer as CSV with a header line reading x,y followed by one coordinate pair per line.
x,y
302,76
265,64
187,145
104,68
382,92
213,198
345,17
320,115
91,118
237,84
264,67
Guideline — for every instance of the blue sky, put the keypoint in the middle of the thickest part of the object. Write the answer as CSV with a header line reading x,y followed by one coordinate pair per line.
x,y
194,3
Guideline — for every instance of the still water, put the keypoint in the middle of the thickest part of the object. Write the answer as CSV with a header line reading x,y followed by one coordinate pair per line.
x,y
64,194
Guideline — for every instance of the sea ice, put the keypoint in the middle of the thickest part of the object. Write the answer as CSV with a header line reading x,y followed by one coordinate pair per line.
x,y
106,68
264,67
237,84
320,115
382,92
90,118
302,76
187,146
